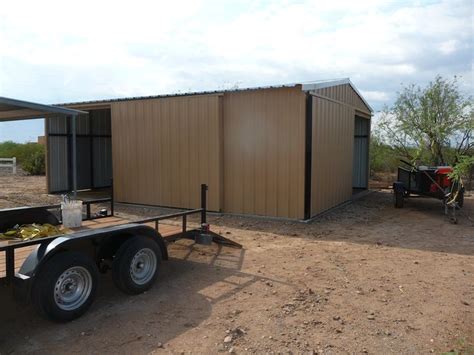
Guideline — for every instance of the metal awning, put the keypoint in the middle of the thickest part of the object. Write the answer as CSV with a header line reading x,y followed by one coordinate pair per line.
x,y
14,110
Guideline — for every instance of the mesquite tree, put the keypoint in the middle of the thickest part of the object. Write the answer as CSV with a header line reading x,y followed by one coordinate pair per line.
x,y
433,125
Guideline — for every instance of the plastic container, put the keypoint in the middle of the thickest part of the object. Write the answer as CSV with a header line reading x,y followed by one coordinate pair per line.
x,y
72,213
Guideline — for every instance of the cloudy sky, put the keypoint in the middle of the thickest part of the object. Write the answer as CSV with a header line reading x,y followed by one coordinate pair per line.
x,y
53,52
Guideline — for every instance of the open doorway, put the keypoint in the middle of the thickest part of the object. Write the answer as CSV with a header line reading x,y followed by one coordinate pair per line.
x,y
94,152
360,167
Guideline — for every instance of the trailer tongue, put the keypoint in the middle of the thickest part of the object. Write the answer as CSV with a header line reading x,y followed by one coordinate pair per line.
x,y
59,274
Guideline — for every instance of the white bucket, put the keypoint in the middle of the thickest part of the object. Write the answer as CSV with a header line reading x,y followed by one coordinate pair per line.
x,y
72,213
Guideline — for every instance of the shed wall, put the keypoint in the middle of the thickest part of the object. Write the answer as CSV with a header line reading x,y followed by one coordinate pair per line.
x,y
57,159
163,149
264,140
101,147
59,142
57,154
94,167
332,154
345,93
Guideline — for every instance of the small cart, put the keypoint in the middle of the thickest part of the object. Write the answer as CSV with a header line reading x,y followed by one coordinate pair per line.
x,y
427,181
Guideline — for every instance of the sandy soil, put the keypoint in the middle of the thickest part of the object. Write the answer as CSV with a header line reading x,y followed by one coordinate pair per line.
x,y
365,278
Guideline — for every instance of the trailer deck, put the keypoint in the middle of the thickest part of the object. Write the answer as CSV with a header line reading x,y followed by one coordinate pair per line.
x,y
166,230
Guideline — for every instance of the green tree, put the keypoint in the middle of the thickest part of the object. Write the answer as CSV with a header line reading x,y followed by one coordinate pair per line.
x,y
34,164
433,125
383,158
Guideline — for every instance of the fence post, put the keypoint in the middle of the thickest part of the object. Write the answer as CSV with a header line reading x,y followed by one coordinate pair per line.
x,y
14,166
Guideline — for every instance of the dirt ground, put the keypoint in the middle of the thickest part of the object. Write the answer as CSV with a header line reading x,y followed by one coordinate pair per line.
x,y
365,278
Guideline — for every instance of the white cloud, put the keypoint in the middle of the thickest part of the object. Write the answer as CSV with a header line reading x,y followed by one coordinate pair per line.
x,y
378,96
448,47
54,51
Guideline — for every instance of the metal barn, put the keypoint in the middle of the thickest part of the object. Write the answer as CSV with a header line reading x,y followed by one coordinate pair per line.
x,y
290,151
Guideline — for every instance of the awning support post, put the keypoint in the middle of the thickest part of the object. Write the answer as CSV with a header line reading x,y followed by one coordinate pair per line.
x,y
74,157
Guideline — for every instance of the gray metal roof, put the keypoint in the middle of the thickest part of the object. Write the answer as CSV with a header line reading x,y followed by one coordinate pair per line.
x,y
306,86
191,93
13,109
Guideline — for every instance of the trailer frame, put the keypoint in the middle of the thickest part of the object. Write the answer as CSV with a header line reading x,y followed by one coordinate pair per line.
x,y
105,241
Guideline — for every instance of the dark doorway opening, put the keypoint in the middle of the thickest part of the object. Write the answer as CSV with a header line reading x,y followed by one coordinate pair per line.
x,y
360,167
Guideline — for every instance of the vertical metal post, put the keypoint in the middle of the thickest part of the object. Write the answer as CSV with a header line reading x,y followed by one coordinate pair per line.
x,y
308,156
88,211
184,223
10,264
74,157
112,202
203,203
157,225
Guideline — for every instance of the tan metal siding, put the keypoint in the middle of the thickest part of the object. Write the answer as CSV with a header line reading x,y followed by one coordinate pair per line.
x,y
333,140
264,152
346,94
163,149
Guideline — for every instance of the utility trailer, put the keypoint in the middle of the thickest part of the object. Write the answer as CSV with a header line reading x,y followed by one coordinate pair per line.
x,y
430,182
59,274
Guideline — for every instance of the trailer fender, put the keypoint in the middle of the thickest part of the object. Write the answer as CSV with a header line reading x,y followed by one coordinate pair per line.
x,y
96,243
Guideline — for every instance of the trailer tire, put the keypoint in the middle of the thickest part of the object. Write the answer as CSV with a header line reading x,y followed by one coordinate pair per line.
x,y
136,265
398,198
65,286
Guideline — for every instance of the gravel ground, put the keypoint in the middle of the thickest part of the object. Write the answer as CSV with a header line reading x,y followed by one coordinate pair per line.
x,y
365,278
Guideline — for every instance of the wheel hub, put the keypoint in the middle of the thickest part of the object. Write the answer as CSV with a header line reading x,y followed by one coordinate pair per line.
x,y
73,288
143,266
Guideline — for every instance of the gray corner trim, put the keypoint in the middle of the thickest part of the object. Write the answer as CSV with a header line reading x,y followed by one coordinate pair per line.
x,y
331,83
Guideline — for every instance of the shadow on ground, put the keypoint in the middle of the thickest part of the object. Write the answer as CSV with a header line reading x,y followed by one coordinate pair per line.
x,y
189,284
372,219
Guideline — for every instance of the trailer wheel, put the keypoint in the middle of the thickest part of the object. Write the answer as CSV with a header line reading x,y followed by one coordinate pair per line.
x,y
136,264
65,286
398,198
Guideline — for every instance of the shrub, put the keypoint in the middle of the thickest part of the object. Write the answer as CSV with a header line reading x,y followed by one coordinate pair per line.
x,y
30,156
34,164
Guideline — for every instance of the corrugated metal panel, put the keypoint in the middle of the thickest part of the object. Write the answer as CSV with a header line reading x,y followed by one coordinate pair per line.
x,y
83,159
102,162
163,149
57,125
333,139
58,164
82,124
264,152
360,172
362,126
100,121
346,94
92,166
